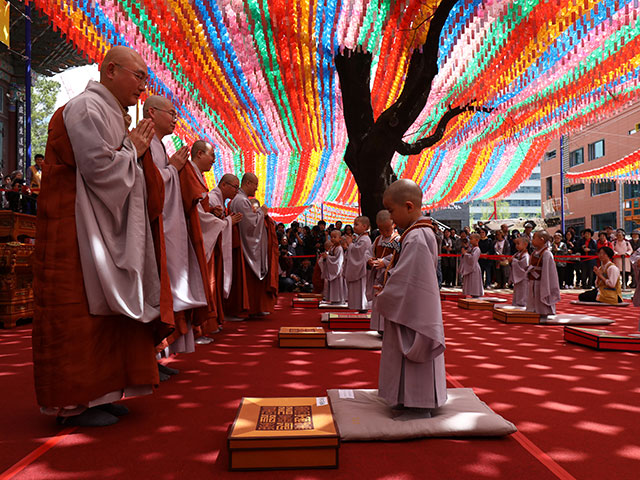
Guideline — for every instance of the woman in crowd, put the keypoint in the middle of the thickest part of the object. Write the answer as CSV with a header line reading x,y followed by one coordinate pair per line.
x,y
448,263
571,266
622,250
559,248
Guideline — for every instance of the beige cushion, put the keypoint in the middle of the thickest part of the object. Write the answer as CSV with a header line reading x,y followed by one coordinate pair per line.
x,y
601,304
370,340
333,306
574,319
368,417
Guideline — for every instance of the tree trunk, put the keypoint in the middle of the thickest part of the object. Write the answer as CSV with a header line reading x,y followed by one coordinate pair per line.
x,y
373,142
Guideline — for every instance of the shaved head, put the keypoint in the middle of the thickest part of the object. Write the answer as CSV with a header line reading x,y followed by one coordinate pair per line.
x,y
363,220
404,190
229,178
200,146
383,216
156,101
124,73
203,155
249,177
120,54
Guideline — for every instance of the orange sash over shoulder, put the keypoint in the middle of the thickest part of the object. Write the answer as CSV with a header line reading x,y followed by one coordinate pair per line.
x,y
78,357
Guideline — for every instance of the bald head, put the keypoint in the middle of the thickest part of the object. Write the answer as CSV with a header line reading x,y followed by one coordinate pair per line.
x,y
155,102
200,146
249,184
124,73
229,178
404,190
249,177
203,155
383,216
229,185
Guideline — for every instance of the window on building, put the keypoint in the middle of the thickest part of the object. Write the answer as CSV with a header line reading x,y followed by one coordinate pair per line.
x,y
534,176
550,155
527,189
603,187
596,150
577,223
603,220
576,157
549,182
631,190
574,187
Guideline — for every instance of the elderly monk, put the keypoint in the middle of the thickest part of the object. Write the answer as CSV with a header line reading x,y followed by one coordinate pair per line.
x,y
96,283
226,189
205,229
260,249
187,288
412,369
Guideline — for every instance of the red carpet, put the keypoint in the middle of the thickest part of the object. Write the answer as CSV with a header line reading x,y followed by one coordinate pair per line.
x,y
574,406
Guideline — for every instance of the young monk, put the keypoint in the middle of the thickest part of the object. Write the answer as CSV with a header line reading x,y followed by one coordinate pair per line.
x,y
519,266
355,271
332,264
412,371
470,268
544,290
382,251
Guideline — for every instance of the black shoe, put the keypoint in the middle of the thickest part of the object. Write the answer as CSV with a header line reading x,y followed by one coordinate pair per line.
x,y
114,409
167,370
91,417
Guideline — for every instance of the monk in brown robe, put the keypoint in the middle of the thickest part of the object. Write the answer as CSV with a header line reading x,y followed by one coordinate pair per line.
x,y
183,270
205,229
260,249
96,283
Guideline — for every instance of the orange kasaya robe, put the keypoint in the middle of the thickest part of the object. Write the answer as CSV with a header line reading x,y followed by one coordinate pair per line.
x,y
237,304
263,293
78,357
155,191
209,318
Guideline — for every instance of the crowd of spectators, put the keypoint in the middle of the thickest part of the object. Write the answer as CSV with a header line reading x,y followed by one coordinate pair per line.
x,y
300,246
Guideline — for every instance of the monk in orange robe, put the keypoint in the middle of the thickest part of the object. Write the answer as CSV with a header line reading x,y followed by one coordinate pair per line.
x,y
96,283
260,249
205,229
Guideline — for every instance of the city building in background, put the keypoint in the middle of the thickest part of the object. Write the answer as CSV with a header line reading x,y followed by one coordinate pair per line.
x,y
50,53
454,216
523,203
599,204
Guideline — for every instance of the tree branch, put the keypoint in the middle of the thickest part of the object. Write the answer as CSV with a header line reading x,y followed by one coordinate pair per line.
x,y
404,148
354,72
423,67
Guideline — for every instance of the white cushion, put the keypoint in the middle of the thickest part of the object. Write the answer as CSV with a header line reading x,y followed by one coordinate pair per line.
x,y
370,340
601,304
574,319
368,417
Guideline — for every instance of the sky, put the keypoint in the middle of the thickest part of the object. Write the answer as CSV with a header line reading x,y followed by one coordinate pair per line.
x,y
73,82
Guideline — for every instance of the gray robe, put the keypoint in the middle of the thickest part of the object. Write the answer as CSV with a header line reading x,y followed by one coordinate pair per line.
x,y
544,291
412,369
519,266
355,272
376,277
335,287
114,236
253,235
217,199
471,273
187,289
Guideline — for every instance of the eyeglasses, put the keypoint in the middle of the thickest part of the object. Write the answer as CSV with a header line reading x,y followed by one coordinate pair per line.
x,y
173,113
235,187
141,77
